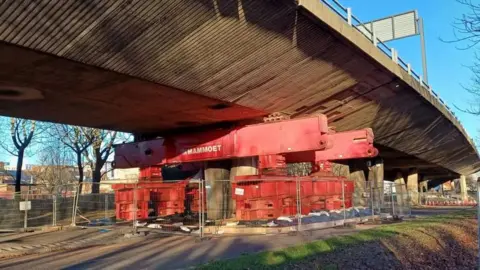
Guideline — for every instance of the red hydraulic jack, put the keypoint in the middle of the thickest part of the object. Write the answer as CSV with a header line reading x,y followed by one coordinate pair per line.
x,y
274,144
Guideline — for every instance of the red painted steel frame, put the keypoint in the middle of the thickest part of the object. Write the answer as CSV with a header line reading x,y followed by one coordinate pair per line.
x,y
297,139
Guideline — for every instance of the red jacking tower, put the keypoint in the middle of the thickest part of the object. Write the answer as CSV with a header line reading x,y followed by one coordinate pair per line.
x,y
268,192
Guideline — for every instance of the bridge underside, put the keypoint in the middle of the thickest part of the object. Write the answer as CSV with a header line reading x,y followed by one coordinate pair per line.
x,y
150,66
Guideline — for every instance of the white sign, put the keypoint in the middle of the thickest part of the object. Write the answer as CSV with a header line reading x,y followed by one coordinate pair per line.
x,y
239,191
25,205
393,27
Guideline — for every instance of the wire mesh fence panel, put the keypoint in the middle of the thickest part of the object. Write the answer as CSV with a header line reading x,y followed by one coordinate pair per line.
x,y
169,206
32,207
396,200
63,202
388,206
325,202
10,215
402,202
93,209
366,202
41,210
280,205
221,206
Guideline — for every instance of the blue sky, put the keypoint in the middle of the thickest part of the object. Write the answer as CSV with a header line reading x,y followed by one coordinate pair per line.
x,y
446,64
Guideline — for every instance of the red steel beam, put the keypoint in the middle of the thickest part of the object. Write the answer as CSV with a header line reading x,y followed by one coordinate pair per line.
x,y
298,135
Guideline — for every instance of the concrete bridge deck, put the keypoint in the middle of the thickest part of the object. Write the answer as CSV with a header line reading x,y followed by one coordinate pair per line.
x,y
145,66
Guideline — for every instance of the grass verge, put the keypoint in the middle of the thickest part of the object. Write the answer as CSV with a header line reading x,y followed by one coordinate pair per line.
x,y
280,258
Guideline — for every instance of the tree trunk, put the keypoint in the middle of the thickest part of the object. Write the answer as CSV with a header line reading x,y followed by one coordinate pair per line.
x,y
80,171
18,173
96,177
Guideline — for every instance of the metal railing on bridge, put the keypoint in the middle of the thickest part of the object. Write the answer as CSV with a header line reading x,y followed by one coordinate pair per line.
x,y
355,22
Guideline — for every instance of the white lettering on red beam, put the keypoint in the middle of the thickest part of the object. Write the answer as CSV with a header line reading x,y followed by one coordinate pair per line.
x,y
203,149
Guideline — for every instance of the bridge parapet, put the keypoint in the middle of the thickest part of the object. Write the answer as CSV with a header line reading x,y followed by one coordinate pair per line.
x,y
416,81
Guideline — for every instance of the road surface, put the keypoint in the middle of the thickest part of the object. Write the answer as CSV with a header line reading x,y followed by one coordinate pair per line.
x,y
161,251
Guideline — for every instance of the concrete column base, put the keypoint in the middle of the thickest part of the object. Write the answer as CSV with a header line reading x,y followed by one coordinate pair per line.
x,y
375,178
218,189
357,174
463,188
412,186
423,188
242,166
400,189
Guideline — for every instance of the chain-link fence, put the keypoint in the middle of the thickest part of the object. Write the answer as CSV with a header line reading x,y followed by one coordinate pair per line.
x,y
397,200
61,205
283,205
265,205
37,206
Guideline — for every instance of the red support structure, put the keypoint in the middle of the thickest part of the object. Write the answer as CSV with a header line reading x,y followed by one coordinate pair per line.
x,y
274,144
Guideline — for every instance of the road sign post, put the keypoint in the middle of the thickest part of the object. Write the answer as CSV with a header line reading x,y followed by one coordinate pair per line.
x,y
25,206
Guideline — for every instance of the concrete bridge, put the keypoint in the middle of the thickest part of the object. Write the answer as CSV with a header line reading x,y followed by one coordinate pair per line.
x,y
152,66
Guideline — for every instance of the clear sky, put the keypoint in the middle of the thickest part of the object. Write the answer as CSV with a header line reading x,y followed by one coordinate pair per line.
x,y
446,63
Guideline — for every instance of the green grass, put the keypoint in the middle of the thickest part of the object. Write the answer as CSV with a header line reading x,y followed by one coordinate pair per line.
x,y
276,258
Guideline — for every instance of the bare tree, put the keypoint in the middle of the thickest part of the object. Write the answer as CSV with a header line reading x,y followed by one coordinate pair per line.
x,y
55,172
98,154
23,134
78,140
467,36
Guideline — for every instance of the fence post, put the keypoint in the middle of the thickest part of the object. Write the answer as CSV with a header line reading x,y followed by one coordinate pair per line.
x,y
372,199
106,205
134,231
393,203
349,16
343,202
200,208
299,204
394,55
25,218
54,207
75,205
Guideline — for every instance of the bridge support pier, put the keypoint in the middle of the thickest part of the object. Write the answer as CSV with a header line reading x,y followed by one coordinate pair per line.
x,y
242,166
375,178
412,185
463,188
218,189
400,189
357,170
423,188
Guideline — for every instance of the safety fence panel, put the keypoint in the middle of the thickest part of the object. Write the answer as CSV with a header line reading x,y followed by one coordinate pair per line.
x,y
396,200
368,198
33,206
11,217
63,199
94,205
281,205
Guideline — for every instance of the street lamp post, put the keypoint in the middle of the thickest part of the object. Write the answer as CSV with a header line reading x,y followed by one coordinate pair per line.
x,y
478,220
